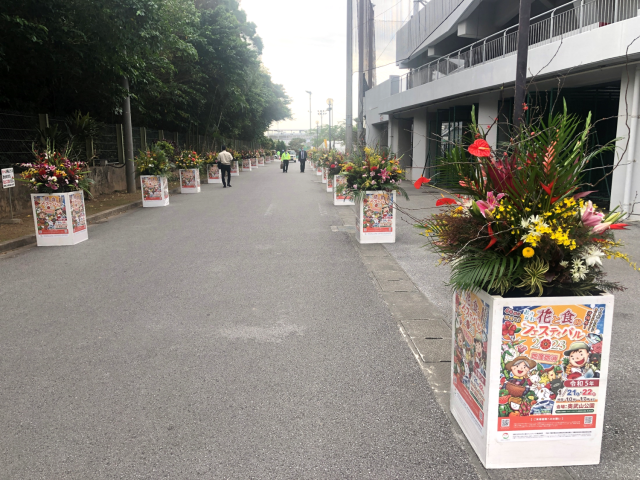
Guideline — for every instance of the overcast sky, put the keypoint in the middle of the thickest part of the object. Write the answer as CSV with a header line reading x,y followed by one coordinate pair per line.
x,y
304,49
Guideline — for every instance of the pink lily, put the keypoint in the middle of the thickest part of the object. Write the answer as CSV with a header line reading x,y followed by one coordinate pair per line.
x,y
384,174
591,218
490,204
602,227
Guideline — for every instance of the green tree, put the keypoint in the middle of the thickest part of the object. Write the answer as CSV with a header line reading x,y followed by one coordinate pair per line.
x,y
297,143
281,146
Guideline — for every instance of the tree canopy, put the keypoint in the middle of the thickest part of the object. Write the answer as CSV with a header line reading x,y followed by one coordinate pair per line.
x,y
191,63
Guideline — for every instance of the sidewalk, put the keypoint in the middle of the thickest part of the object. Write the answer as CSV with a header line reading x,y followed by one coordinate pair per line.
x,y
621,439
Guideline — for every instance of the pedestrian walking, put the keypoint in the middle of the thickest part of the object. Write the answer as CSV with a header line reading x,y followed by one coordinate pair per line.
x,y
302,158
224,163
286,156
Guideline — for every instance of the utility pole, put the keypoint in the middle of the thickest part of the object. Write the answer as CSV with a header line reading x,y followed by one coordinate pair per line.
x,y
322,113
349,119
329,109
317,133
360,68
130,168
521,63
309,109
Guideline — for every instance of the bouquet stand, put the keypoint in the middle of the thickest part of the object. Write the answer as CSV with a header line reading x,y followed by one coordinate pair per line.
x,y
529,374
190,180
376,217
340,199
246,165
60,218
155,191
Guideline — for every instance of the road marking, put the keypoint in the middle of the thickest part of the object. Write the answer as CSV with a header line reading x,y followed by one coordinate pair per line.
x,y
322,210
269,211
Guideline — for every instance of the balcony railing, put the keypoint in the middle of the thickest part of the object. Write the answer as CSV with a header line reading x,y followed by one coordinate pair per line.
x,y
572,18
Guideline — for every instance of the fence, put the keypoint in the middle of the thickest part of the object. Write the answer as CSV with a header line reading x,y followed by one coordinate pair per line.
x,y
19,132
569,19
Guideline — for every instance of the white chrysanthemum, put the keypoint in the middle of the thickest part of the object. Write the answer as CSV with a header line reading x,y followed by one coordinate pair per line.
x,y
591,256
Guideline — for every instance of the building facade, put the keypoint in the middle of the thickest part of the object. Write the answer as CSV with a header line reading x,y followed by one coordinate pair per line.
x,y
460,55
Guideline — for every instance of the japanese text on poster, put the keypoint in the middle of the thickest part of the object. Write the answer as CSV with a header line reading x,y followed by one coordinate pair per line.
x,y
151,188
51,215
377,213
78,212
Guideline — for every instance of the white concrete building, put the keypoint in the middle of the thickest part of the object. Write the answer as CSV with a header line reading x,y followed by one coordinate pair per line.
x,y
461,53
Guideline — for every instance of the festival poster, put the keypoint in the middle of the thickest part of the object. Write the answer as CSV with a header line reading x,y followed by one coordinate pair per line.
x,y
246,164
377,213
330,182
324,174
254,162
214,172
51,215
319,171
234,167
151,188
78,215
165,188
261,162
340,180
188,178
550,371
470,353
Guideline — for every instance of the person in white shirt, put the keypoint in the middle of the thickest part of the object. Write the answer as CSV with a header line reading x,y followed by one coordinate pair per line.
x,y
225,159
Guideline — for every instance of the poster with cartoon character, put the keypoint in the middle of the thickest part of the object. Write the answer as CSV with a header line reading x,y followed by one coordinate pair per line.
x,y
188,178
550,371
246,165
329,184
151,188
340,180
78,212
254,162
214,172
51,214
235,169
377,213
470,354
261,162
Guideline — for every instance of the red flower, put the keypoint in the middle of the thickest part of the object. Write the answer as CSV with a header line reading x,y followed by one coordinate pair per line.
x,y
545,344
348,169
374,168
420,181
619,226
445,201
480,148
333,165
508,328
493,239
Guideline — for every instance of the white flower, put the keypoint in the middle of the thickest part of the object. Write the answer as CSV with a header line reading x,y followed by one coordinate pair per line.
x,y
591,256
53,179
564,264
525,223
578,270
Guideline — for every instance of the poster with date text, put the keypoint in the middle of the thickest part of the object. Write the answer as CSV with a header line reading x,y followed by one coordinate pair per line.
x,y
151,188
340,180
470,353
550,372
78,212
51,214
377,213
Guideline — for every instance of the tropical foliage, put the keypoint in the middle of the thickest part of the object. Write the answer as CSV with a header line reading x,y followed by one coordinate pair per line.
x,y
523,226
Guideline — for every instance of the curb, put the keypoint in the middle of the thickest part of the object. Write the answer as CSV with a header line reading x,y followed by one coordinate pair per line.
x,y
93,219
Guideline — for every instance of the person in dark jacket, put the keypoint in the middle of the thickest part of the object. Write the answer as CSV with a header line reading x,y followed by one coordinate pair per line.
x,y
302,157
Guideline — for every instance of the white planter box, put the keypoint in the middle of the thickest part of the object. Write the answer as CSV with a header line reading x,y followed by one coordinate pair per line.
x,y
246,165
261,162
59,218
532,390
376,218
324,175
190,180
235,169
340,199
254,163
329,184
155,191
318,170
214,175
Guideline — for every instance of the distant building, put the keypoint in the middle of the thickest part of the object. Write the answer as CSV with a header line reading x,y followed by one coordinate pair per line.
x,y
461,53
287,135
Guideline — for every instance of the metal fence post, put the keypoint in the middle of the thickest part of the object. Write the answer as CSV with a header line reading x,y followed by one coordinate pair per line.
x,y
120,142
504,43
581,14
551,26
615,10
160,135
484,51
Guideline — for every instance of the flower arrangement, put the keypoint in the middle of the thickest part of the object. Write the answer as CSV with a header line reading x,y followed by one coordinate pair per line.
x,y
54,172
372,170
188,159
153,162
523,226
210,158
336,162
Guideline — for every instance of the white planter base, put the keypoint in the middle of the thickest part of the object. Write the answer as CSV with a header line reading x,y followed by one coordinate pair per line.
x,y
235,169
554,408
190,181
261,162
246,165
318,170
155,191
340,199
59,218
214,175
376,218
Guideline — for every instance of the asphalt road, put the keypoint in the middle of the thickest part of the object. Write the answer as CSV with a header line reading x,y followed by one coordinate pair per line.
x,y
229,335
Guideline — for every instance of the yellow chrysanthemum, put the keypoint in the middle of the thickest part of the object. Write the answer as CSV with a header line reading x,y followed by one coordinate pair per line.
x,y
528,252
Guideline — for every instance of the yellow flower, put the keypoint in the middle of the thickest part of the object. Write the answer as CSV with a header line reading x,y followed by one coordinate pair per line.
x,y
528,252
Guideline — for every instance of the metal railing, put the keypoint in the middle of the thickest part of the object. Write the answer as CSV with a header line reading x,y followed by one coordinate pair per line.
x,y
575,17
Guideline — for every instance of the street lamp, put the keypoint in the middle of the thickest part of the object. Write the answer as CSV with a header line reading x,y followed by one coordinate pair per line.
x,y
329,108
309,108
317,133
322,113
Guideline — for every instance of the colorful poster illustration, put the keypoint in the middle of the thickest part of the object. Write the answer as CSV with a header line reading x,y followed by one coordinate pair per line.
x,y
78,217
151,188
470,353
550,371
330,182
51,215
188,178
340,180
377,213
261,161
254,162
324,174
319,171
246,164
234,167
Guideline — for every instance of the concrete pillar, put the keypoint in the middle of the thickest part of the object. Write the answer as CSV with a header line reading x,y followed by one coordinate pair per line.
x,y
487,113
393,135
420,143
621,163
374,133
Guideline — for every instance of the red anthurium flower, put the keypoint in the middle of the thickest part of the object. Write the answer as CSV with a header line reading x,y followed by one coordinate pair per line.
x,y
445,201
619,226
420,181
480,148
